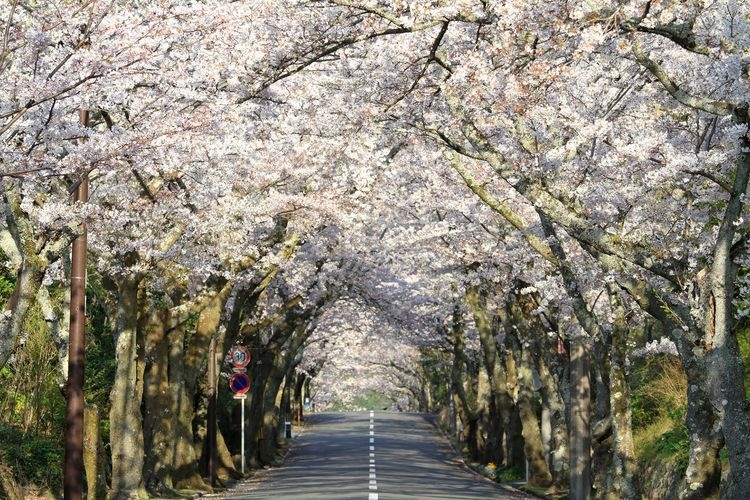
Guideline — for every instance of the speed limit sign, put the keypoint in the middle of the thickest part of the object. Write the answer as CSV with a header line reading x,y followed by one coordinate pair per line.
x,y
239,356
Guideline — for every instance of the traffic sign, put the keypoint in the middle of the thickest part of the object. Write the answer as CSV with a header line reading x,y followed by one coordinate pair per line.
x,y
239,383
239,356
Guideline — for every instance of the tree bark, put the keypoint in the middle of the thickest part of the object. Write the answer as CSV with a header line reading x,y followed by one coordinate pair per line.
x,y
555,403
466,413
126,431
533,449
580,422
703,472
31,261
622,479
501,400
159,409
725,373
93,455
186,368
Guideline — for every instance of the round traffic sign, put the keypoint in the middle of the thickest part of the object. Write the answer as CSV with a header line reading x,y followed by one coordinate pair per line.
x,y
239,383
239,356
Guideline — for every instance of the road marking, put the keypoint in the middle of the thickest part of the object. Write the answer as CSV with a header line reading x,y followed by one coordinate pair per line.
x,y
373,484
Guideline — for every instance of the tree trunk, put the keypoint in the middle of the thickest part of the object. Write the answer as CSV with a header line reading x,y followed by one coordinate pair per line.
x,y
533,450
279,361
502,402
485,436
723,360
552,375
93,455
514,449
622,482
580,422
29,280
703,473
186,367
126,431
159,406
463,407
226,468
704,433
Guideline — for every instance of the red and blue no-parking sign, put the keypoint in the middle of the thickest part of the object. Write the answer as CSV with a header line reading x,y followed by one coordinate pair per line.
x,y
239,383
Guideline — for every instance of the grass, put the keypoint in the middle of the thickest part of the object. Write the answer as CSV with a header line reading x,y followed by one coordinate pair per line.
x,y
671,444
659,406
35,460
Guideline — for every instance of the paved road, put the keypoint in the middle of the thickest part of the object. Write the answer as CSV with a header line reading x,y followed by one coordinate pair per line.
x,y
373,456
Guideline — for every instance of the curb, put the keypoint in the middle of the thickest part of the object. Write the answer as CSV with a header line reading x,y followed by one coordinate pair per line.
x,y
432,419
256,474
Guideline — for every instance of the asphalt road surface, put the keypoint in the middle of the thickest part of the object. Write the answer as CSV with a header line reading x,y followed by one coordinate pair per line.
x,y
373,456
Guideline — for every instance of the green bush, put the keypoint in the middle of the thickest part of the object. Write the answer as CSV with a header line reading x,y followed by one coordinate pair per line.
x,y
509,474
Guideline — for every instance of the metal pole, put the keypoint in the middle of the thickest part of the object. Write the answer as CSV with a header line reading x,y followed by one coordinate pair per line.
x,y
73,470
211,426
242,403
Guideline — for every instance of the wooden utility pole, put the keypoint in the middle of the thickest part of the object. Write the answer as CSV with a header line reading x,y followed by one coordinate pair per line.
x,y
73,470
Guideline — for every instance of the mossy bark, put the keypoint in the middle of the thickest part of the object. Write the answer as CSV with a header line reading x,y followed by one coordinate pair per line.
x,y
126,424
621,484
93,454
159,412
501,400
533,450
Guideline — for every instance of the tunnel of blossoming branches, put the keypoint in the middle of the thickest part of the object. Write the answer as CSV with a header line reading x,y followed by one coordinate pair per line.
x,y
528,218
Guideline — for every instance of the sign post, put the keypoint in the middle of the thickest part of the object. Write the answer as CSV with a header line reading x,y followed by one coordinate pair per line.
x,y
239,357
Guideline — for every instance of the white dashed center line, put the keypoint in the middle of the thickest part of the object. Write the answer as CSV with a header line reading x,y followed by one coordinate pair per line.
x,y
373,485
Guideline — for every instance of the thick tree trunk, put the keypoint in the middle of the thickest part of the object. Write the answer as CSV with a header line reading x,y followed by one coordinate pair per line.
x,y
299,397
466,413
552,375
502,402
226,468
255,410
279,361
186,367
158,406
580,422
126,431
93,455
29,280
723,361
622,482
485,439
514,445
533,449
704,432
703,472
